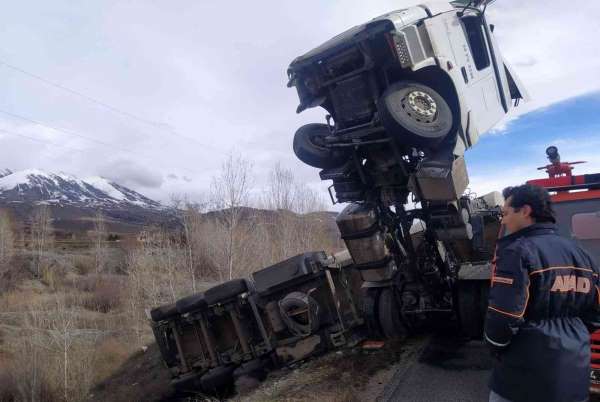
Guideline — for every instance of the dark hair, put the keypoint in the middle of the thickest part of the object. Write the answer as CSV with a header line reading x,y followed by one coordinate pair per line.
x,y
536,197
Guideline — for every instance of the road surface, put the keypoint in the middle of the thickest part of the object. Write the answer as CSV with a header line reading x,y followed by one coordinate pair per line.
x,y
442,370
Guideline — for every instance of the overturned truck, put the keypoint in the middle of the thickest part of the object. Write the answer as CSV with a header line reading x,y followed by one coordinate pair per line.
x,y
405,94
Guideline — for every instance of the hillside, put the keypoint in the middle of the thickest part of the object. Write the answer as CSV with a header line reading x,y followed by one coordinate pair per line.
x,y
74,202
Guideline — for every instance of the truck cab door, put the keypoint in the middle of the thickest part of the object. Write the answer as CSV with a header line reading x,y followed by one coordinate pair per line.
x,y
499,67
515,87
484,88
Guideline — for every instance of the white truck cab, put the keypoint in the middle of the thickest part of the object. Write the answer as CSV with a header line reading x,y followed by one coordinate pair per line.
x,y
430,76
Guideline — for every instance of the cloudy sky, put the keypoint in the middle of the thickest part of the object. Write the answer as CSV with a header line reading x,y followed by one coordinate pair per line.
x,y
154,94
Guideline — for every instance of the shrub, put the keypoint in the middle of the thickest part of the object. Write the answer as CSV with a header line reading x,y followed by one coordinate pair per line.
x,y
84,264
106,295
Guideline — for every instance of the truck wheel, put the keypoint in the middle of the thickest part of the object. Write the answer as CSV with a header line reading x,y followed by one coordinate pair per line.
x,y
471,308
225,291
415,114
310,149
187,383
163,312
191,303
217,378
303,324
254,368
370,297
389,315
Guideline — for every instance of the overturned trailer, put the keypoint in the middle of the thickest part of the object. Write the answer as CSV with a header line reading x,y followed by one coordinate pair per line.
x,y
406,94
282,314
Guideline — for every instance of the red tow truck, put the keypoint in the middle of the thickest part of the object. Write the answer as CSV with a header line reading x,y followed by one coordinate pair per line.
x,y
577,205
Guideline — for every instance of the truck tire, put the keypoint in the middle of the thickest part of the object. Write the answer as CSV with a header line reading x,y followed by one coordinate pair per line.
x,y
191,303
415,114
217,378
163,312
225,291
254,368
472,303
309,148
390,315
369,309
187,383
297,301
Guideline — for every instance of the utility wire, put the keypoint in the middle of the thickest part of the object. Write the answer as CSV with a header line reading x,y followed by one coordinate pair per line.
x,y
72,133
40,140
68,132
82,95
105,105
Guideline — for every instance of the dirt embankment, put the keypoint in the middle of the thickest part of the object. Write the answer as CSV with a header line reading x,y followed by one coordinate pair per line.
x,y
344,376
141,378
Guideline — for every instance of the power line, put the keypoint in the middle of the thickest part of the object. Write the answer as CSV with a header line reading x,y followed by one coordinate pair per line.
x,y
82,95
69,132
40,140
105,105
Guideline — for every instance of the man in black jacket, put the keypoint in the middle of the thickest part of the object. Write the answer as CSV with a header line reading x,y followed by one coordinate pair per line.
x,y
544,299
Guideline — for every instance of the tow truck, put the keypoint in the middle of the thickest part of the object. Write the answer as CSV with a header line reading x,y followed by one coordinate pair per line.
x,y
577,206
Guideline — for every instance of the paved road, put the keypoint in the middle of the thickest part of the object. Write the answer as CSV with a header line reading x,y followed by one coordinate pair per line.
x,y
442,370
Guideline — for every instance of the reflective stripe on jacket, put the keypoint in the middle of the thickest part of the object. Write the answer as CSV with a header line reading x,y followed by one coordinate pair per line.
x,y
544,296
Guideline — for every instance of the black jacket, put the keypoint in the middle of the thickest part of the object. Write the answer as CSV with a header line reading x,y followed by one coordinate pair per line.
x,y
544,300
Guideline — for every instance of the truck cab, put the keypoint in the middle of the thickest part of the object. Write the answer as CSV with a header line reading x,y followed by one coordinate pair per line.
x,y
430,76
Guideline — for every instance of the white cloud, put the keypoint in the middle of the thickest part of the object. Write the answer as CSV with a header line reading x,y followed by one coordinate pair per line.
x,y
552,46
131,174
214,72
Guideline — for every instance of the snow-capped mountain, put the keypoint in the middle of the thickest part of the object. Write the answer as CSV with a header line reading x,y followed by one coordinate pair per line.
x,y
37,186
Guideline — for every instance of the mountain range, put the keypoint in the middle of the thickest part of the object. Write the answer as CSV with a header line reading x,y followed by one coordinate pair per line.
x,y
37,186
74,201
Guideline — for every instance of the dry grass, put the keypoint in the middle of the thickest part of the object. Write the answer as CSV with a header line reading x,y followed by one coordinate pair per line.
x,y
55,359
111,353
8,387
84,264
72,324
102,293
336,377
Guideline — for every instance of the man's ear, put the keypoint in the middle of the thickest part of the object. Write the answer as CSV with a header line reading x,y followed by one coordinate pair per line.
x,y
526,209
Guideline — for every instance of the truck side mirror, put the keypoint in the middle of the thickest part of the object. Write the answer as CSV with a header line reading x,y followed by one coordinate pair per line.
x,y
492,26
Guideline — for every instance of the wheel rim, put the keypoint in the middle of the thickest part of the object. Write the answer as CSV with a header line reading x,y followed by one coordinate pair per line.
x,y
420,106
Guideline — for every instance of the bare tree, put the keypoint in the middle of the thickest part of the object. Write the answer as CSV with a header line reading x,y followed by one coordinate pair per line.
x,y
41,235
29,345
308,200
280,191
6,241
283,191
230,192
190,216
62,329
99,236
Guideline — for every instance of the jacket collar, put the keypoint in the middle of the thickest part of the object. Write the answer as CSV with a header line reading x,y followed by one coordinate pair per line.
x,y
532,230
